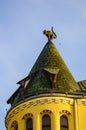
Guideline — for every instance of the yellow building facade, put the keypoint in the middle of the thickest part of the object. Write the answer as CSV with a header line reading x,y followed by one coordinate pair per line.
x,y
48,98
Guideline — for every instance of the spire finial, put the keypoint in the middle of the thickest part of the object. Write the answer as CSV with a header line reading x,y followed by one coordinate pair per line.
x,y
50,34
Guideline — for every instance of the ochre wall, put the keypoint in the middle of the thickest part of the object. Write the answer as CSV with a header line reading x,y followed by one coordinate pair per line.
x,y
81,114
54,106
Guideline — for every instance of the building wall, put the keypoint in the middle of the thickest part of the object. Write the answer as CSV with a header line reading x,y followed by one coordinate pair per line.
x,y
81,110
55,107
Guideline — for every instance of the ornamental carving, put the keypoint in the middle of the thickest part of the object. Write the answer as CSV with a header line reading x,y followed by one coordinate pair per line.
x,y
28,115
50,34
45,111
81,101
65,112
40,101
14,124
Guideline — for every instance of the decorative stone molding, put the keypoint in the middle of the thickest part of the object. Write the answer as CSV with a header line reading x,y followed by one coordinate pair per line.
x,y
14,124
28,115
81,102
65,112
34,102
45,112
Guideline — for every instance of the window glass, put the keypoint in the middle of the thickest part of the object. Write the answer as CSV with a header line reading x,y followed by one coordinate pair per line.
x,y
29,124
46,128
46,123
64,128
63,123
63,120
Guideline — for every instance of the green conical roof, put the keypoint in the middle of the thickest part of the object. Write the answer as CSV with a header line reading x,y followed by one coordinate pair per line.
x,y
49,64
49,74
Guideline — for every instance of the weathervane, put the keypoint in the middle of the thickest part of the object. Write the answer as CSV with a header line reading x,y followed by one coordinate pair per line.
x,y
50,34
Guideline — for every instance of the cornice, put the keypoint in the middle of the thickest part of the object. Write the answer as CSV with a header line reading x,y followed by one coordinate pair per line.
x,y
81,102
34,102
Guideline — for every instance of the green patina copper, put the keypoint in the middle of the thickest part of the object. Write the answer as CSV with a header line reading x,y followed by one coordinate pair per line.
x,y
51,61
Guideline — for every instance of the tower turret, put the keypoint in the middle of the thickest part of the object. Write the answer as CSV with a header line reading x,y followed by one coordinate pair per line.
x,y
46,98
49,74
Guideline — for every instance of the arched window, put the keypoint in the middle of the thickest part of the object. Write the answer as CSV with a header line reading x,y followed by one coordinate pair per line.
x,y
46,122
29,124
63,123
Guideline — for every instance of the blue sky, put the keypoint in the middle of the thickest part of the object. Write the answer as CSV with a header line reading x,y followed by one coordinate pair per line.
x,y
21,39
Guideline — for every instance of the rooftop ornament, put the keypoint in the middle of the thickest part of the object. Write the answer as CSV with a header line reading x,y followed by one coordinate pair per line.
x,y
50,34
